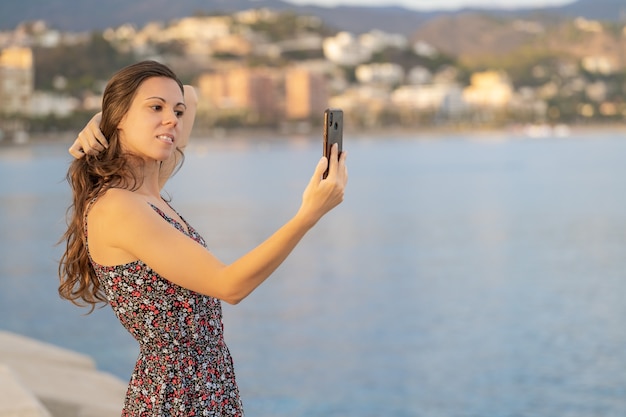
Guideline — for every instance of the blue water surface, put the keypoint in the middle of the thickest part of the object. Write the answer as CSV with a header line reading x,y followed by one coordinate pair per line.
x,y
464,276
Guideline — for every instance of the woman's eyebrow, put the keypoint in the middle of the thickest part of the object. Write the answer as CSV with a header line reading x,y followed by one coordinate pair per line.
x,y
165,101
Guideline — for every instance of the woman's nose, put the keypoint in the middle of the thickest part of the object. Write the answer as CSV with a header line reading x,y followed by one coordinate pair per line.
x,y
170,118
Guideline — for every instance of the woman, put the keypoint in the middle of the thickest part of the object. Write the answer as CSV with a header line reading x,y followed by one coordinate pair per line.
x,y
127,246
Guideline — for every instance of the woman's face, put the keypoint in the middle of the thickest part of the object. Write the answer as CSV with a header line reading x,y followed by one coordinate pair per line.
x,y
153,123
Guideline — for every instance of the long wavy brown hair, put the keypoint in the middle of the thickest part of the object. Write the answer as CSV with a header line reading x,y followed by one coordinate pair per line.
x,y
92,175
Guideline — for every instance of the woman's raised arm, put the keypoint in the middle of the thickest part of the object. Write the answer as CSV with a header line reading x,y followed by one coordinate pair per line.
x,y
124,222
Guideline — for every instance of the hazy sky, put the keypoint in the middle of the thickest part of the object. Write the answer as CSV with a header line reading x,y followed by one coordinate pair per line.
x,y
438,4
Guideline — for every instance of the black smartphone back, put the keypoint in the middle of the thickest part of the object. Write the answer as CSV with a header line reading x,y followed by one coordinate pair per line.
x,y
333,131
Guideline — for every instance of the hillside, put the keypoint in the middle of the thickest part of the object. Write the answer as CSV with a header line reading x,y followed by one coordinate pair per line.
x,y
609,10
92,15
478,39
473,34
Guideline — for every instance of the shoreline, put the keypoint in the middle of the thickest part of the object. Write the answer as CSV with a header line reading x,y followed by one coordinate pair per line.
x,y
538,131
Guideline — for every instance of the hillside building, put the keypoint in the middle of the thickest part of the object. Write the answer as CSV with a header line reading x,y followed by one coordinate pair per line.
x,y
16,80
345,49
490,89
263,95
306,94
440,97
385,73
253,94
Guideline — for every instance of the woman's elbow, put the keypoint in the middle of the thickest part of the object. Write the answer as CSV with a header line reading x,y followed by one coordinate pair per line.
x,y
233,300
234,297
229,289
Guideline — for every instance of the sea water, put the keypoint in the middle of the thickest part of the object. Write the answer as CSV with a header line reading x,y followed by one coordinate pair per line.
x,y
464,275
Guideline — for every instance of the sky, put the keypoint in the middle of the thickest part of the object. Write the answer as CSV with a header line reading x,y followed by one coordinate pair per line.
x,y
426,5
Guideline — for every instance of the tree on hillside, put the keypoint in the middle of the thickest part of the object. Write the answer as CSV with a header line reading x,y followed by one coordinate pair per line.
x,y
82,66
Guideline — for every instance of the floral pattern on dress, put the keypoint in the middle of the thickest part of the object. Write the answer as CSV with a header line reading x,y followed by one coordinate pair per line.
x,y
184,367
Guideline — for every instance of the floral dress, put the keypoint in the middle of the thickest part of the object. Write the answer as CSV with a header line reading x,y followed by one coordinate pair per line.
x,y
184,367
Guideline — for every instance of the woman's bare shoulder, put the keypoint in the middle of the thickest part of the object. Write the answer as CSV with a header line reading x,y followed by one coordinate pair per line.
x,y
116,202
112,222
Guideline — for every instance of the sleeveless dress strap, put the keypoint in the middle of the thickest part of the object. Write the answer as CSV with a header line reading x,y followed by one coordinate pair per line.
x,y
87,209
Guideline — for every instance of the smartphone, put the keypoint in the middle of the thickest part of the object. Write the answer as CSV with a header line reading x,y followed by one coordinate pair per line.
x,y
333,131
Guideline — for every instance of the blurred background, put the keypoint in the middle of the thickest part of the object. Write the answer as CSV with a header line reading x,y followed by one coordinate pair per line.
x,y
476,266
275,65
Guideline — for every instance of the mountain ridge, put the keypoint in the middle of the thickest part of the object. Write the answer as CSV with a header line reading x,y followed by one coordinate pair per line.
x,y
90,15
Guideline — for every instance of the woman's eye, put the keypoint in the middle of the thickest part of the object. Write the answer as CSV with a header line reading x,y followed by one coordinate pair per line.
x,y
180,113
157,107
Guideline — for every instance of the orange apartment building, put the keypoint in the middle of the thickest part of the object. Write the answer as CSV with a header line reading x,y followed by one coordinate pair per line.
x,y
251,93
263,95
306,94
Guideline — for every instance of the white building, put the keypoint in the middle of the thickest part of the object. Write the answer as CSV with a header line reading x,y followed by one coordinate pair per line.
x,y
599,64
377,40
431,97
197,34
419,75
422,48
43,104
380,73
349,50
345,49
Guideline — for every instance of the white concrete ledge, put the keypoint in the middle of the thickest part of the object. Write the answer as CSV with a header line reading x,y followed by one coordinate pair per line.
x,y
15,399
24,349
65,382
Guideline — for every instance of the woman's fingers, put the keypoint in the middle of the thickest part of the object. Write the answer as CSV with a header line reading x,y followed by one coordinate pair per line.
x,y
76,150
90,140
337,170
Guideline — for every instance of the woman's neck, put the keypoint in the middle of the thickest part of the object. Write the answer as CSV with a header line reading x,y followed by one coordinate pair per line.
x,y
149,174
